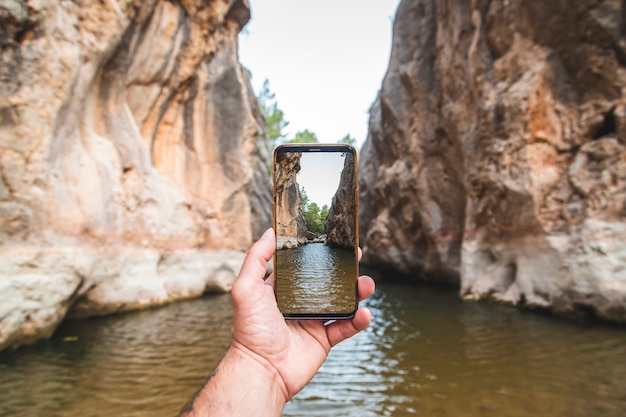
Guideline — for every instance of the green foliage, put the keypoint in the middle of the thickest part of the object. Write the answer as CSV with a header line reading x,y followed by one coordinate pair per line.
x,y
274,117
314,217
305,136
348,140
304,199
274,124
274,135
324,212
323,217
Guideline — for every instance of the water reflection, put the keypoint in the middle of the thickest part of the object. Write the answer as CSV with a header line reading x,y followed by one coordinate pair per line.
x,y
426,353
315,278
136,364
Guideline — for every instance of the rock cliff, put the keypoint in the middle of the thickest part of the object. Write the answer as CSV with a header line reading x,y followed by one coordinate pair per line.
x,y
127,154
496,155
291,230
340,225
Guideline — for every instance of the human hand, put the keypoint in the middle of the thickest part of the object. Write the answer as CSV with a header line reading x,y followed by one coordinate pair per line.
x,y
270,359
291,350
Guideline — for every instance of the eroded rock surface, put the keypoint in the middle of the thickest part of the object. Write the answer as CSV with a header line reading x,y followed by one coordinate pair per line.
x,y
127,152
291,230
496,155
341,221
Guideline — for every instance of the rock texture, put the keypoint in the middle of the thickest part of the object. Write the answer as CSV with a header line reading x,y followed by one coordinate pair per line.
x,y
291,230
496,156
340,225
127,151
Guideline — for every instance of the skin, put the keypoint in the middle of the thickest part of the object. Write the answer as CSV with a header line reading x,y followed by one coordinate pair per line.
x,y
270,359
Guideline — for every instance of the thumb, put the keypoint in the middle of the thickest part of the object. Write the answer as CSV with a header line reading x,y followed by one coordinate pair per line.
x,y
255,264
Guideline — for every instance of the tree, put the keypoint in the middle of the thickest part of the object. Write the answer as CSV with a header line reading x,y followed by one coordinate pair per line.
x,y
304,199
305,136
349,140
324,213
314,217
274,117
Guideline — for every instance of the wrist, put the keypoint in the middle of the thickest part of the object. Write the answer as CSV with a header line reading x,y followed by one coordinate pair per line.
x,y
259,370
243,384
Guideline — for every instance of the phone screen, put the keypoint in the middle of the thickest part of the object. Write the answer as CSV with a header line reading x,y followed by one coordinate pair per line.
x,y
315,218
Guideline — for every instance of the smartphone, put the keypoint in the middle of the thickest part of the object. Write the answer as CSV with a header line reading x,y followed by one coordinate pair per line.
x,y
315,219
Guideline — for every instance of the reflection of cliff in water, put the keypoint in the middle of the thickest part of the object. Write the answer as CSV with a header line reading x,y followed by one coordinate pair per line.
x,y
340,225
290,226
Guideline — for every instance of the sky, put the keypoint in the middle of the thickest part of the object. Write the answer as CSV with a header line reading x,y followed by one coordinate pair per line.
x,y
325,60
319,174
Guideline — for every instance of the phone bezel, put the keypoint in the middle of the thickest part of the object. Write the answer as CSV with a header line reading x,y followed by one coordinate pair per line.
x,y
321,147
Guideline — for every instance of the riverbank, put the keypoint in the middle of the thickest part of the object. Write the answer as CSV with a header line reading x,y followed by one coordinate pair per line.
x,y
42,286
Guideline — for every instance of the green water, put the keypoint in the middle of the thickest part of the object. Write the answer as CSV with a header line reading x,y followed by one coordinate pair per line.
x,y
426,353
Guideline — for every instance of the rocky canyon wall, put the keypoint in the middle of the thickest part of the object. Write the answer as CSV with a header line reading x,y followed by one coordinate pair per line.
x,y
340,225
127,157
291,230
496,155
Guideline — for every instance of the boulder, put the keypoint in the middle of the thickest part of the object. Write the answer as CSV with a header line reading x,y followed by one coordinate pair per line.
x,y
289,242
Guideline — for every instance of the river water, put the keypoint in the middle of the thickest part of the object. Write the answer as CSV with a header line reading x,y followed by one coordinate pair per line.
x,y
426,353
316,278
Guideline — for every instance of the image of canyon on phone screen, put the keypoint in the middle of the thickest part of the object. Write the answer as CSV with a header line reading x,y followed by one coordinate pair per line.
x,y
315,218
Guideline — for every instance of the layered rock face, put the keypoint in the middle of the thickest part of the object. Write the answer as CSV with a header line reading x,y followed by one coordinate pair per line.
x,y
127,150
340,225
496,155
291,230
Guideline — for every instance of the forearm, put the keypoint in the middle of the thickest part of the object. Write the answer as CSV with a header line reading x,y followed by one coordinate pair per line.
x,y
240,386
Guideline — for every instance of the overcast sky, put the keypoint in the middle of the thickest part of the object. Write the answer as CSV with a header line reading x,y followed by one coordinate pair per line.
x,y
319,174
325,60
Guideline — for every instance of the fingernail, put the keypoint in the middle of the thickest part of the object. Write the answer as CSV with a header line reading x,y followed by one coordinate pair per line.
x,y
266,234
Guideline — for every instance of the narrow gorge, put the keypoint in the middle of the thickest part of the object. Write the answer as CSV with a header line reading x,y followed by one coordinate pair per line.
x,y
136,171
133,170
